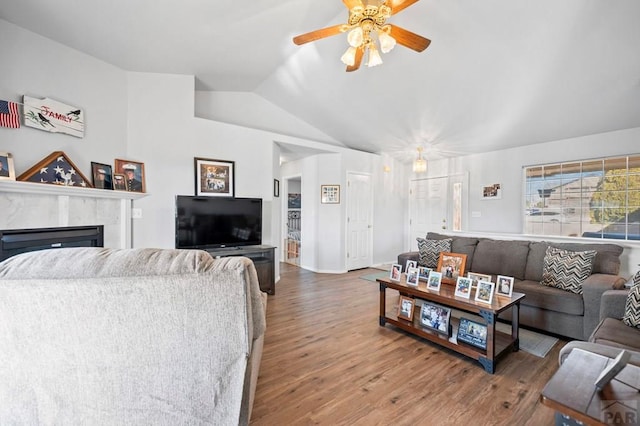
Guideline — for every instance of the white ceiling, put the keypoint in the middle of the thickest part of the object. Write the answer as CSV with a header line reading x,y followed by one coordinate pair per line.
x,y
498,73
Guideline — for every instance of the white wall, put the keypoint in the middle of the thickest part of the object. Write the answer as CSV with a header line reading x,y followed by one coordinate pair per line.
x,y
36,66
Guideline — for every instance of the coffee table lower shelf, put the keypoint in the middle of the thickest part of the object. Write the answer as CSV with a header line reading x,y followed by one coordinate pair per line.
x,y
498,343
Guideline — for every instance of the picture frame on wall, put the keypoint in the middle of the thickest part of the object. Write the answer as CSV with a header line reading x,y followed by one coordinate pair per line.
x,y
405,308
492,191
101,175
133,172
330,194
7,170
214,178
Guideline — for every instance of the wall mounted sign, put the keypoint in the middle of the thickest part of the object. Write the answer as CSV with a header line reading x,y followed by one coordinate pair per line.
x,y
53,116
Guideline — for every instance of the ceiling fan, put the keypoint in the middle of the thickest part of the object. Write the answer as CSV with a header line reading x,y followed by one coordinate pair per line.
x,y
368,17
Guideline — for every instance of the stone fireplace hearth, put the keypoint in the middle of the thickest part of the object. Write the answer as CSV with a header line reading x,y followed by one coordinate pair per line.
x,y
33,205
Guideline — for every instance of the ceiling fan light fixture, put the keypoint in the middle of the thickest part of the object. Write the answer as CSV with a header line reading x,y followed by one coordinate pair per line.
x,y
386,41
355,37
349,57
420,164
374,56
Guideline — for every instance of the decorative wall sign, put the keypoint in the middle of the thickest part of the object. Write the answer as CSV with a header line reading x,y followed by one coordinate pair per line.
x,y
53,116
56,169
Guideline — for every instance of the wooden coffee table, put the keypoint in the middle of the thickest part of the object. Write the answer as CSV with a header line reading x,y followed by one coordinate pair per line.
x,y
498,343
572,391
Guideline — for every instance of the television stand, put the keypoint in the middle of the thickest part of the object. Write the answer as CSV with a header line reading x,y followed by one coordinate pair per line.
x,y
263,258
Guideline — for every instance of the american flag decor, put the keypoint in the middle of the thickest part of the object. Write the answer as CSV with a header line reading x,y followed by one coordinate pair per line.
x,y
56,169
9,116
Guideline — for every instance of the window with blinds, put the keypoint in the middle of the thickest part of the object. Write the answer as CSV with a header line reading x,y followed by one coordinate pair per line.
x,y
593,198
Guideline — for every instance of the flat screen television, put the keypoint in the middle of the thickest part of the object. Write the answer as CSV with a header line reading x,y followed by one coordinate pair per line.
x,y
213,222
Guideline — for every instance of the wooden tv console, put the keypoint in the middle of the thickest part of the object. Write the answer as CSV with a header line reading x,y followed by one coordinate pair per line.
x,y
263,258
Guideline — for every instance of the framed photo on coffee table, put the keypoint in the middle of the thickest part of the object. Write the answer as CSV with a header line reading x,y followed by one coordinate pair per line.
x,y
484,292
478,277
434,280
396,272
472,332
412,277
410,264
504,286
451,266
405,308
463,287
435,317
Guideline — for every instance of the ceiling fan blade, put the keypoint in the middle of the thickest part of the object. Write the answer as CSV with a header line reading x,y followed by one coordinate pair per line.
x,y
352,3
398,5
358,61
409,39
318,34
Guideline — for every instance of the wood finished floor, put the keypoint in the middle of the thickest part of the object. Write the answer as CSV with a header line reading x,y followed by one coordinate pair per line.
x,y
327,361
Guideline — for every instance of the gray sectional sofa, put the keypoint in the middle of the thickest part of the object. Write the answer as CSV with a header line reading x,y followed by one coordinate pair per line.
x,y
545,308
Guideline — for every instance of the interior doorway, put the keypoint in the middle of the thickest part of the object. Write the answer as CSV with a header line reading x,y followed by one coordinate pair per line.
x,y
292,220
359,221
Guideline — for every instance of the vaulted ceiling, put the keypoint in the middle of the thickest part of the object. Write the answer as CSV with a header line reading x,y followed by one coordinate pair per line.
x,y
498,73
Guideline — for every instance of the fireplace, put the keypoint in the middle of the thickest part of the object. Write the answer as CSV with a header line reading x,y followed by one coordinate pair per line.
x,y
15,241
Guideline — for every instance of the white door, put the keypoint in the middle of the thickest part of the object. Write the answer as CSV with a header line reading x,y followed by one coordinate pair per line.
x,y
359,221
428,208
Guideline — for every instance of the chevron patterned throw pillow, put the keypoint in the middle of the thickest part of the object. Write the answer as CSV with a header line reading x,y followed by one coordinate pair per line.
x,y
566,269
429,251
632,307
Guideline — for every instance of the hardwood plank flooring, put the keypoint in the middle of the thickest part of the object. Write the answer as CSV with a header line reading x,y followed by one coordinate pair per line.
x,y
327,361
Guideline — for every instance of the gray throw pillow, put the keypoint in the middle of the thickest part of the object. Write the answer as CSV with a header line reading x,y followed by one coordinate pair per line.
x,y
566,269
632,307
429,251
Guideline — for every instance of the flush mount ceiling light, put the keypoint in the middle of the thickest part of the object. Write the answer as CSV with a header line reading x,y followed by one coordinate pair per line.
x,y
366,19
420,164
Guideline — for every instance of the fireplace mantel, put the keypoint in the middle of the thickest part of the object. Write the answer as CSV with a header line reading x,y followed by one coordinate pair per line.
x,y
36,205
76,191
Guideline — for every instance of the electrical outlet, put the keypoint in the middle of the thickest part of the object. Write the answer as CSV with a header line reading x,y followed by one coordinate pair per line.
x,y
136,213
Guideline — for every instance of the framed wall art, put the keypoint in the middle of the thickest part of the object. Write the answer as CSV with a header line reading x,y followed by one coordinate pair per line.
x,y
492,192
330,194
214,178
133,173
451,265
7,171
102,176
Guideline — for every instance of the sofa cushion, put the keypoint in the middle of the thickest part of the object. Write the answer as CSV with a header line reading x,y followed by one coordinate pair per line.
x,y
429,251
549,298
632,307
566,269
461,245
498,257
607,260
613,332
